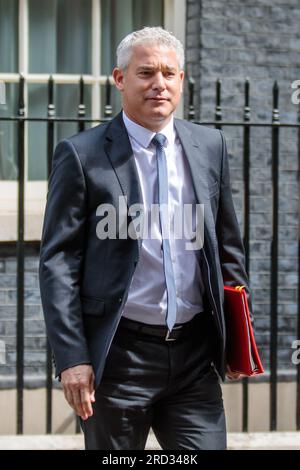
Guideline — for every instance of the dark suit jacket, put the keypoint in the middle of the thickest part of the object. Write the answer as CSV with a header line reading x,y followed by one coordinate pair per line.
x,y
84,281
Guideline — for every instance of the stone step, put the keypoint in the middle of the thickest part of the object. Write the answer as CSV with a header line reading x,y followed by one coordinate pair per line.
x,y
236,441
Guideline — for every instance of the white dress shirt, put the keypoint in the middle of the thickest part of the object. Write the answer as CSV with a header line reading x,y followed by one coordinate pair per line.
x,y
147,298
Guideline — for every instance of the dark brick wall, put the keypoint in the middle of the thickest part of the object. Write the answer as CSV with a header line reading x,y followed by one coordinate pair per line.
x,y
236,39
259,39
35,341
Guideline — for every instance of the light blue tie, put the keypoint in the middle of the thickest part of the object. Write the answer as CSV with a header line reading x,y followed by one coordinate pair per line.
x,y
159,140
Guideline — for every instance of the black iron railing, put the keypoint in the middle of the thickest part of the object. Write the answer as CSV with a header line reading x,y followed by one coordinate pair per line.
x,y
247,125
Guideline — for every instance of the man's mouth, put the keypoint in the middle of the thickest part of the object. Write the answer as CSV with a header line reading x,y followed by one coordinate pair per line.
x,y
158,98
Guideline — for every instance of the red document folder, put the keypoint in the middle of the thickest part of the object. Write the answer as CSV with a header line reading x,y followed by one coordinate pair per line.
x,y
242,353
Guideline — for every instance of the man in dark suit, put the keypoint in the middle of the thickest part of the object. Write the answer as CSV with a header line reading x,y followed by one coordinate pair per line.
x,y
136,320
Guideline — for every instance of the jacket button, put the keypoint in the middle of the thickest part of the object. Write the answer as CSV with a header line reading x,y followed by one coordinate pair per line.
x,y
120,299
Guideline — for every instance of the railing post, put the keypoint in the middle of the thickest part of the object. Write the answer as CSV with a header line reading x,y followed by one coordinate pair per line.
x,y
20,259
298,319
218,109
50,145
50,124
247,116
191,110
81,106
81,127
274,261
246,172
108,107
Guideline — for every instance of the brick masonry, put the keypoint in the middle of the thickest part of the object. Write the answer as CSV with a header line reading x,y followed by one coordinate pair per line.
x,y
258,39
35,339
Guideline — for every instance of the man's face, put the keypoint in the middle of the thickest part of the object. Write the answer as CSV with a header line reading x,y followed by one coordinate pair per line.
x,y
151,85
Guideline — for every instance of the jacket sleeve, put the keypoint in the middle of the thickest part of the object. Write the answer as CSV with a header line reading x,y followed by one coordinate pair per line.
x,y
61,254
231,248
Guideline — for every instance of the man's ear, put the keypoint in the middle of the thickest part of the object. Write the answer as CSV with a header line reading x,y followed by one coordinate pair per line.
x,y
181,78
118,75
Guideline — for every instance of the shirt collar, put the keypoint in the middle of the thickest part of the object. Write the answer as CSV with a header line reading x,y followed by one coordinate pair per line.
x,y
144,136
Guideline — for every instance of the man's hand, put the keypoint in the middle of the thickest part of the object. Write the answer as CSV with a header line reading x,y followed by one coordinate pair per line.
x,y
232,375
78,386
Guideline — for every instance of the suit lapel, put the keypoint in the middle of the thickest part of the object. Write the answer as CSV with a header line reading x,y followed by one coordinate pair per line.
x,y
197,158
120,154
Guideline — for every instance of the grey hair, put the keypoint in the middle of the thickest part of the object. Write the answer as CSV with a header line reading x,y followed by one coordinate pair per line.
x,y
148,35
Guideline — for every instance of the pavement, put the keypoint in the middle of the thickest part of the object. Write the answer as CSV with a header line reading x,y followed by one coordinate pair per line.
x,y
236,441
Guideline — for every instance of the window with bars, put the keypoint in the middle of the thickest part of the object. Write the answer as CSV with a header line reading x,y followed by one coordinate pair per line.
x,y
67,38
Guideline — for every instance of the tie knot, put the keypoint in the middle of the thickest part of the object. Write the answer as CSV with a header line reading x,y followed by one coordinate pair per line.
x,y
159,140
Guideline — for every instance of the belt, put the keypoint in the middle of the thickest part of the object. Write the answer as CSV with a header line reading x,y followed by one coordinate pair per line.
x,y
178,331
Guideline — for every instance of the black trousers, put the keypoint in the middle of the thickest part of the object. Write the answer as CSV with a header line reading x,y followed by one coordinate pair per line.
x,y
169,386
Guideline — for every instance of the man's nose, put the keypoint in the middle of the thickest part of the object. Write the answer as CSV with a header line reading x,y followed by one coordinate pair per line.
x,y
159,82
